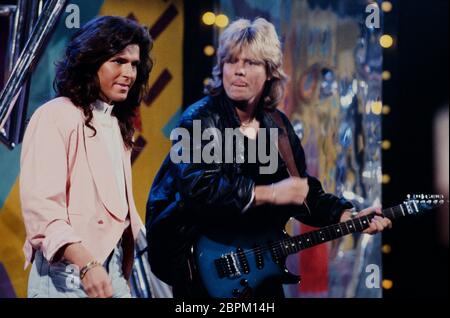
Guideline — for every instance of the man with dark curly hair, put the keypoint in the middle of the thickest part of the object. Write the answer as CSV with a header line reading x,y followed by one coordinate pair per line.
x,y
75,181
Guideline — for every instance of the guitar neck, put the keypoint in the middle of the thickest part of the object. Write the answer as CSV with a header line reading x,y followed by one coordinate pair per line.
x,y
294,244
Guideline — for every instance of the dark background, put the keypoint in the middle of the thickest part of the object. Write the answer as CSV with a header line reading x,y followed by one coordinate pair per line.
x,y
418,263
418,62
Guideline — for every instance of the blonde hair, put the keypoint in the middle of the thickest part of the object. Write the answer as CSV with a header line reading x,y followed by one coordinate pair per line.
x,y
261,39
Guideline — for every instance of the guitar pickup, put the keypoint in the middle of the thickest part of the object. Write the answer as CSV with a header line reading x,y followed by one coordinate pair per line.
x,y
243,260
259,258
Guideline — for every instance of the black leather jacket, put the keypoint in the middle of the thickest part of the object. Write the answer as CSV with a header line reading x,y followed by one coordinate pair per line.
x,y
188,197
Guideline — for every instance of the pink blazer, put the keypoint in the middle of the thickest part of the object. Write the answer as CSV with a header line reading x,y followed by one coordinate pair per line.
x,y
67,187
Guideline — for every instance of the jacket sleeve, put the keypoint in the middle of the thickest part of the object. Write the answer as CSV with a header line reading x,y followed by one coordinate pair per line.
x,y
212,190
43,184
322,208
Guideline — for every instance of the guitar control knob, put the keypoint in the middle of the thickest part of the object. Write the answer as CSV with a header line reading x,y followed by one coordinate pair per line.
x,y
244,282
236,292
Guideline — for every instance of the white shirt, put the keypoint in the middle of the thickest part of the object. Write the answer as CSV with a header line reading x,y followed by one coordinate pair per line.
x,y
109,130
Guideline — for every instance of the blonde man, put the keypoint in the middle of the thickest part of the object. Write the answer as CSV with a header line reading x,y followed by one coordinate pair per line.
x,y
245,197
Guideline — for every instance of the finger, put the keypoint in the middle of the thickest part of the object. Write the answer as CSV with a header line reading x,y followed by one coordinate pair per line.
x,y
378,218
370,210
371,229
387,223
379,225
99,291
91,293
365,211
108,290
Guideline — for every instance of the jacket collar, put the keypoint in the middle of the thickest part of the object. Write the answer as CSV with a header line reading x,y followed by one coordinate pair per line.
x,y
101,107
227,107
102,170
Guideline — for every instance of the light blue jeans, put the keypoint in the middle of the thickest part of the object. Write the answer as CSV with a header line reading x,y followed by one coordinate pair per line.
x,y
62,279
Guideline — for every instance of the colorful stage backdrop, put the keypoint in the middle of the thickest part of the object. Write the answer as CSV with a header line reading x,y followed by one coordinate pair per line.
x,y
158,113
334,60
333,99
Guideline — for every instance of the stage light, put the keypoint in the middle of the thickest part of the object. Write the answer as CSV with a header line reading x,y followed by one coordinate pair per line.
x,y
386,109
386,179
387,283
206,81
368,108
222,20
209,50
377,107
386,6
386,249
386,75
386,41
386,145
209,18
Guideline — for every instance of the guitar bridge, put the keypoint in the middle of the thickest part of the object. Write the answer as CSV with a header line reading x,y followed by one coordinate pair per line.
x,y
228,266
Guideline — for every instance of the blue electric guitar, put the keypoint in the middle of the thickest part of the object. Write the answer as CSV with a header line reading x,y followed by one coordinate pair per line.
x,y
234,266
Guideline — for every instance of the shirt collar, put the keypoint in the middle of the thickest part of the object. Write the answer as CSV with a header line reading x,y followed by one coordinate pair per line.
x,y
102,107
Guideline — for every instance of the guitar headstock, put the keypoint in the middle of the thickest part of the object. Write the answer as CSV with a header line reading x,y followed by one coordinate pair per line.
x,y
416,203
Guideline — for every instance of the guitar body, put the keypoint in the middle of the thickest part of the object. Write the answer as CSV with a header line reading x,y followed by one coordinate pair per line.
x,y
235,264
235,267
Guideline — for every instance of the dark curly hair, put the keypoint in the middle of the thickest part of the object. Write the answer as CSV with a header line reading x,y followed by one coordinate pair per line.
x,y
95,43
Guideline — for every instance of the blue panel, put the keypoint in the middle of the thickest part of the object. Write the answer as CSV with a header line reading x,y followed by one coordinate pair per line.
x,y
6,288
41,89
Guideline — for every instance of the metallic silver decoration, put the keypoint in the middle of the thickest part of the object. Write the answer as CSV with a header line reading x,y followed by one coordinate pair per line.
x,y
298,128
9,11
17,34
23,66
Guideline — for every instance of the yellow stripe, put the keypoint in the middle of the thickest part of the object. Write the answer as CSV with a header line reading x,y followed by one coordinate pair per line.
x,y
167,53
13,237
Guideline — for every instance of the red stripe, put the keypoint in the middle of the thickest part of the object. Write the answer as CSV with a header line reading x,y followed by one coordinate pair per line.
x,y
314,267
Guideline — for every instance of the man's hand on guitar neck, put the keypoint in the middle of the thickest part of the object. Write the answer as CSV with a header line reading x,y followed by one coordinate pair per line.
x,y
377,224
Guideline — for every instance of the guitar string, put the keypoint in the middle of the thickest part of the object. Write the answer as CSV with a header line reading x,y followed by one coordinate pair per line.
x,y
266,247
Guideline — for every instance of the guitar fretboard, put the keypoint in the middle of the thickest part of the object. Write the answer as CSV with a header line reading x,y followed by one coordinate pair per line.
x,y
294,244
